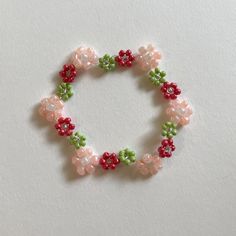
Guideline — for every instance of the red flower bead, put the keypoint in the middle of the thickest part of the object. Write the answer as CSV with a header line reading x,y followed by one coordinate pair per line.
x,y
64,126
109,161
68,73
170,90
125,58
166,148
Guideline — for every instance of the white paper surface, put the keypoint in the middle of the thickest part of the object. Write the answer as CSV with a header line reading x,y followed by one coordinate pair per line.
x,y
195,192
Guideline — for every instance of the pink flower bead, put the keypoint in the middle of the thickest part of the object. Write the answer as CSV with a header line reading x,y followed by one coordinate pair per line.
x,y
148,58
84,58
85,160
51,108
179,111
149,164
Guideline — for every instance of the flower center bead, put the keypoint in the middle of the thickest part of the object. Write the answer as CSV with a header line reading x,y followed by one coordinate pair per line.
x,y
149,165
170,129
109,161
68,73
181,111
85,161
125,58
170,90
84,58
50,107
168,149
65,126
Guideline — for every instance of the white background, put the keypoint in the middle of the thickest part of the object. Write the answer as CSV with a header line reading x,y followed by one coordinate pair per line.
x,y
194,194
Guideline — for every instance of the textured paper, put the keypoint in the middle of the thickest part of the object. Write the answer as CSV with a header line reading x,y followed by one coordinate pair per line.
x,y
195,192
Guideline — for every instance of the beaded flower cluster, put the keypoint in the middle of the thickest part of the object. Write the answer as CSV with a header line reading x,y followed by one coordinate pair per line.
x,y
85,159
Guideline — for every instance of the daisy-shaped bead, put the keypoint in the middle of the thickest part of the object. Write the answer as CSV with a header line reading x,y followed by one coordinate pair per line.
x,y
125,58
109,161
170,90
169,129
148,58
64,126
64,91
157,77
51,108
179,111
127,156
84,58
68,73
166,148
149,164
78,140
107,63
85,160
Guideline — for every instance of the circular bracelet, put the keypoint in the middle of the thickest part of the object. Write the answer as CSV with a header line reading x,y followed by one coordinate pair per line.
x,y
85,159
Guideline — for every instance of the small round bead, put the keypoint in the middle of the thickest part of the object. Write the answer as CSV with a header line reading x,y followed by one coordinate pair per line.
x,y
121,53
106,155
67,120
60,120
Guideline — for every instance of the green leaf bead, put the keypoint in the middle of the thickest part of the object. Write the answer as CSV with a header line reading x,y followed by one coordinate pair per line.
x,y
107,62
169,129
78,140
162,74
127,156
157,77
152,73
63,85
65,97
127,161
164,133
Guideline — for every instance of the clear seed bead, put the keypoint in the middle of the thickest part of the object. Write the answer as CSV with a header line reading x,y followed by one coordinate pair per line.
x,y
50,107
84,58
65,126
85,161
168,149
125,58
170,90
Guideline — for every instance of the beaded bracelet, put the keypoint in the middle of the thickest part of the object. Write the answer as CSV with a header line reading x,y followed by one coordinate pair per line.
x,y
85,159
